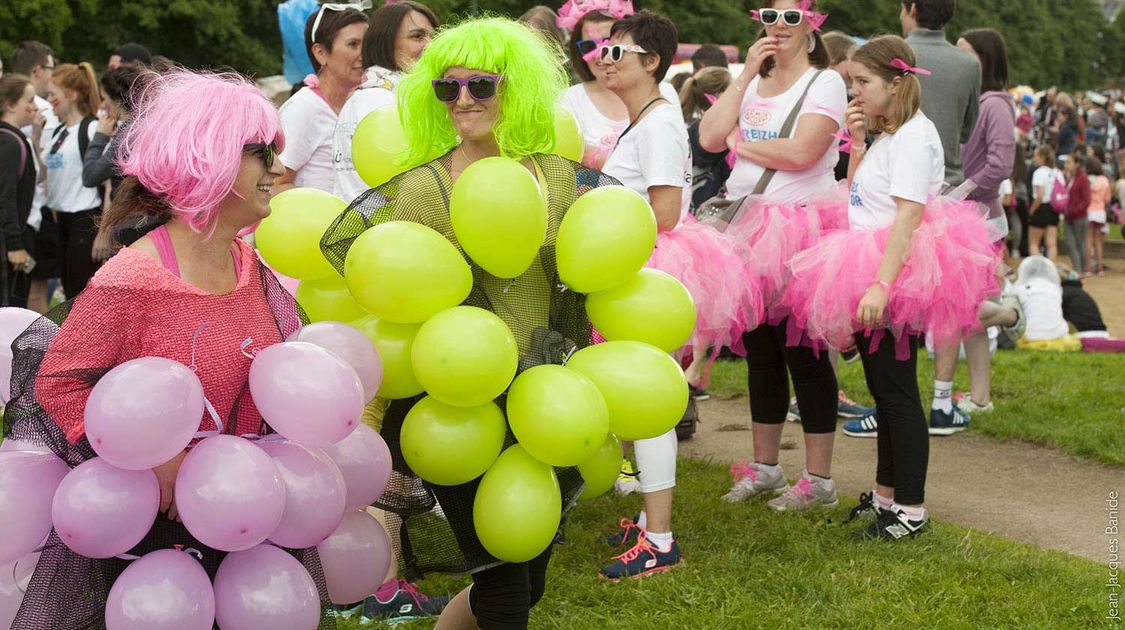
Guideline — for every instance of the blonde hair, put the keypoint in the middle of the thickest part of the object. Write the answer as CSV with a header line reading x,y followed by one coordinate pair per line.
x,y
839,46
877,55
81,79
711,81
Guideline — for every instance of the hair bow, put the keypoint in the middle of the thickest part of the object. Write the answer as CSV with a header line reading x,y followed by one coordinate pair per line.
x,y
906,68
574,10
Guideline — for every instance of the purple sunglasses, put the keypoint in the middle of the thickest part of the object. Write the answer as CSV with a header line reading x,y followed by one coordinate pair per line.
x,y
482,87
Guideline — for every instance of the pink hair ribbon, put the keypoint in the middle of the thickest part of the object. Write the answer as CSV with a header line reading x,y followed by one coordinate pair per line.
x,y
571,13
906,68
845,138
711,98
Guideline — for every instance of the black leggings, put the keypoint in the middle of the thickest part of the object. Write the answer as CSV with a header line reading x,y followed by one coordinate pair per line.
x,y
502,597
904,439
75,249
814,380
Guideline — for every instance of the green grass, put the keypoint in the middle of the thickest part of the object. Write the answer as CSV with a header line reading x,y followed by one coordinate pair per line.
x,y
747,567
1071,401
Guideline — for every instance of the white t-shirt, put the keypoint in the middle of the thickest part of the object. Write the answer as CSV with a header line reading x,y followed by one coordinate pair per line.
x,y
65,192
1041,300
908,164
654,153
1005,188
35,217
309,124
762,119
1044,177
599,132
376,91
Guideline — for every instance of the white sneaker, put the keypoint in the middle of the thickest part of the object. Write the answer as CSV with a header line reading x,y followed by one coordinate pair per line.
x,y
968,406
809,492
751,481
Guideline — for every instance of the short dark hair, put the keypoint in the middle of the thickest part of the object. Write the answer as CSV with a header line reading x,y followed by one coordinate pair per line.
x,y
993,52
578,65
125,82
709,56
379,41
135,53
331,23
933,14
1094,167
653,32
29,54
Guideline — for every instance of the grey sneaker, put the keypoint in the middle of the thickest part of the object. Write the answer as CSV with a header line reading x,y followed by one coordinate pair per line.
x,y
1016,331
807,493
751,481
969,406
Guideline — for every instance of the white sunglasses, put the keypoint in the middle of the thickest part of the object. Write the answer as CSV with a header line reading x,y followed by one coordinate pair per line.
x,y
362,5
769,17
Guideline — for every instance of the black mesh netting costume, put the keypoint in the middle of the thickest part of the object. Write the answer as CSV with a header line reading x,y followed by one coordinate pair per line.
x,y
435,523
68,591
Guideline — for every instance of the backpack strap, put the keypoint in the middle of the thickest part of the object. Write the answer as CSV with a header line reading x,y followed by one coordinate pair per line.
x,y
23,150
84,135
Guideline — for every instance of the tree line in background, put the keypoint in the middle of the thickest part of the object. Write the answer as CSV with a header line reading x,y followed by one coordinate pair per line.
x,y
1062,42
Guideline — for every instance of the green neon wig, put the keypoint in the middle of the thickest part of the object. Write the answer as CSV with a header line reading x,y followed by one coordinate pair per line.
x,y
534,77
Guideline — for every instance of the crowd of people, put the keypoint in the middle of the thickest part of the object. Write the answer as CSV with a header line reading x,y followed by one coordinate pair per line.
x,y
833,198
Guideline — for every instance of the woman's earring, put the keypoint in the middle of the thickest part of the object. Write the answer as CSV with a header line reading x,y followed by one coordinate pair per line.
x,y
812,43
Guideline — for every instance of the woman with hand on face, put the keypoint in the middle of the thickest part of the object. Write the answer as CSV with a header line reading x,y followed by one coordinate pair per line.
x,y
907,264
334,40
19,172
484,88
784,113
398,35
200,156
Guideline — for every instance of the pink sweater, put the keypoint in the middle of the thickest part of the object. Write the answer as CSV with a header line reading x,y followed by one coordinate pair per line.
x,y
134,307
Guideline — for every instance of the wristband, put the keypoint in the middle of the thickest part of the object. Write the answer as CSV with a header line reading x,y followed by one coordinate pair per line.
x,y
885,285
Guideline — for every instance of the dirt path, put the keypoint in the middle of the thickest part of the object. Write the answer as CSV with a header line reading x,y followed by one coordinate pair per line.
x,y
1021,491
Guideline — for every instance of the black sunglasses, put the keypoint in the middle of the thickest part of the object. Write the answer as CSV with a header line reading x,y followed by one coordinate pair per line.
x,y
268,152
482,87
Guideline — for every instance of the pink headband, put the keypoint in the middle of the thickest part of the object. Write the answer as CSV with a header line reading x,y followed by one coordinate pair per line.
x,y
898,64
574,10
816,20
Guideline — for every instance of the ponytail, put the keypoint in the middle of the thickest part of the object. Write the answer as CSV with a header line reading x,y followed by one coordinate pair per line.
x,y
131,199
82,80
687,99
698,90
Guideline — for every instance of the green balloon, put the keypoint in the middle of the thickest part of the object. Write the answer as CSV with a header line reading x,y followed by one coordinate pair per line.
x,y
394,342
379,147
652,307
406,272
568,136
604,239
449,446
289,238
499,215
644,388
601,470
328,300
518,507
465,356
558,415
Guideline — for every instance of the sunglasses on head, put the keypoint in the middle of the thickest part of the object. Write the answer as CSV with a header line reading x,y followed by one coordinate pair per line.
x,y
265,151
361,5
482,87
792,17
614,52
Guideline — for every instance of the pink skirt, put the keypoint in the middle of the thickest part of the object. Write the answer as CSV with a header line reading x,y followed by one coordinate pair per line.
x,y
949,271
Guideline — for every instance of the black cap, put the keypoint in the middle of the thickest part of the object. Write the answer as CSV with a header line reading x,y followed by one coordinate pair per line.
x,y
134,53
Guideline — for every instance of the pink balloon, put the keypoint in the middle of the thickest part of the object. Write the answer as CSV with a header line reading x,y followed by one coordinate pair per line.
x,y
27,485
143,412
355,558
100,511
14,578
354,347
229,494
314,494
365,462
265,588
164,590
16,444
306,393
13,321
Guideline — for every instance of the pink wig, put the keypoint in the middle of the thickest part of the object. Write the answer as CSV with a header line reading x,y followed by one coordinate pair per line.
x,y
185,143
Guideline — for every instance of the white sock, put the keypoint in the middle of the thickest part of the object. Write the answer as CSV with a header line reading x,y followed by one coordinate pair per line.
x,y
881,502
943,396
770,469
913,513
663,542
642,520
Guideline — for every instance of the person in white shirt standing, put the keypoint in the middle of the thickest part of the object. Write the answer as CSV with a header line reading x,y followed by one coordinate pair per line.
x,y
76,208
396,38
333,37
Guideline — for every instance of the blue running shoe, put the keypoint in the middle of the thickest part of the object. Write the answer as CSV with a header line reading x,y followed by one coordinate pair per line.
x,y
867,427
629,530
948,423
396,602
641,560
849,409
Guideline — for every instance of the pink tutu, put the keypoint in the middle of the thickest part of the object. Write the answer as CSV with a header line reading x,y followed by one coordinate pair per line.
x,y
949,272
706,261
